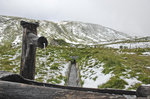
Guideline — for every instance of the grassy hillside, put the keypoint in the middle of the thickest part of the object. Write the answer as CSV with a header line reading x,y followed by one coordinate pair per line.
x,y
128,68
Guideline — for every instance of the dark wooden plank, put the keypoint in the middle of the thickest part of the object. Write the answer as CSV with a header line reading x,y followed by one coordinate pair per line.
x,y
6,76
12,90
143,91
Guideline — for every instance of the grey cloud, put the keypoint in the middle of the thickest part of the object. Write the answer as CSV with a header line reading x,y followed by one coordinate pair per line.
x,y
129,16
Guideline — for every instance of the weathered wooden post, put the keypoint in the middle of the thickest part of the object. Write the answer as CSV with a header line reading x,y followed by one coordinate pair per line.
x,y
143,91
30,41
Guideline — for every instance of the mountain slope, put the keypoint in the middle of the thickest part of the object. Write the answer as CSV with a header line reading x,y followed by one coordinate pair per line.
x,y
72,32
92,32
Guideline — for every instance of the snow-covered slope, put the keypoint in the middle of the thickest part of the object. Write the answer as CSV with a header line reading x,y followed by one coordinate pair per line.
x,y
92,33
70,31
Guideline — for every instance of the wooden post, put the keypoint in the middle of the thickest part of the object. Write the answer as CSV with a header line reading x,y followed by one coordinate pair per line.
x,y
143,91
30,41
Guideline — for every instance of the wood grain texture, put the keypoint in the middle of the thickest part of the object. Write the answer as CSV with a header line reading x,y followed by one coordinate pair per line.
x,y
10,83
12,90
143,91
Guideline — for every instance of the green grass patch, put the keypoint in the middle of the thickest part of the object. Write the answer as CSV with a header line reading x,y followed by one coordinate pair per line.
x,y
55,66
114,82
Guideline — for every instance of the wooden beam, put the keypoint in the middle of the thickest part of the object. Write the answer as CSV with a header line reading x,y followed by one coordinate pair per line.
x,y
143,91
6,76
12,90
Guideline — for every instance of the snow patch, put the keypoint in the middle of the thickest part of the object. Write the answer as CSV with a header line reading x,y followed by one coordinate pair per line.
x,y
1,38
126,53
101,78
131,45
16,41
148,67
93,76
72,42
131,81
15,56
146,53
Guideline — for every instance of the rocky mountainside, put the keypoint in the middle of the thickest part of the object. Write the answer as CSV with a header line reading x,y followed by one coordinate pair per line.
x,y
70,31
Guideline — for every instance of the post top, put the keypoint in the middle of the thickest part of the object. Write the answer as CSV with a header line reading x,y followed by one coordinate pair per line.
x,y
25,24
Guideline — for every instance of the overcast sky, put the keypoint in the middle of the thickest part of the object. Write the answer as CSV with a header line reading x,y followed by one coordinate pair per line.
x,y
129,16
